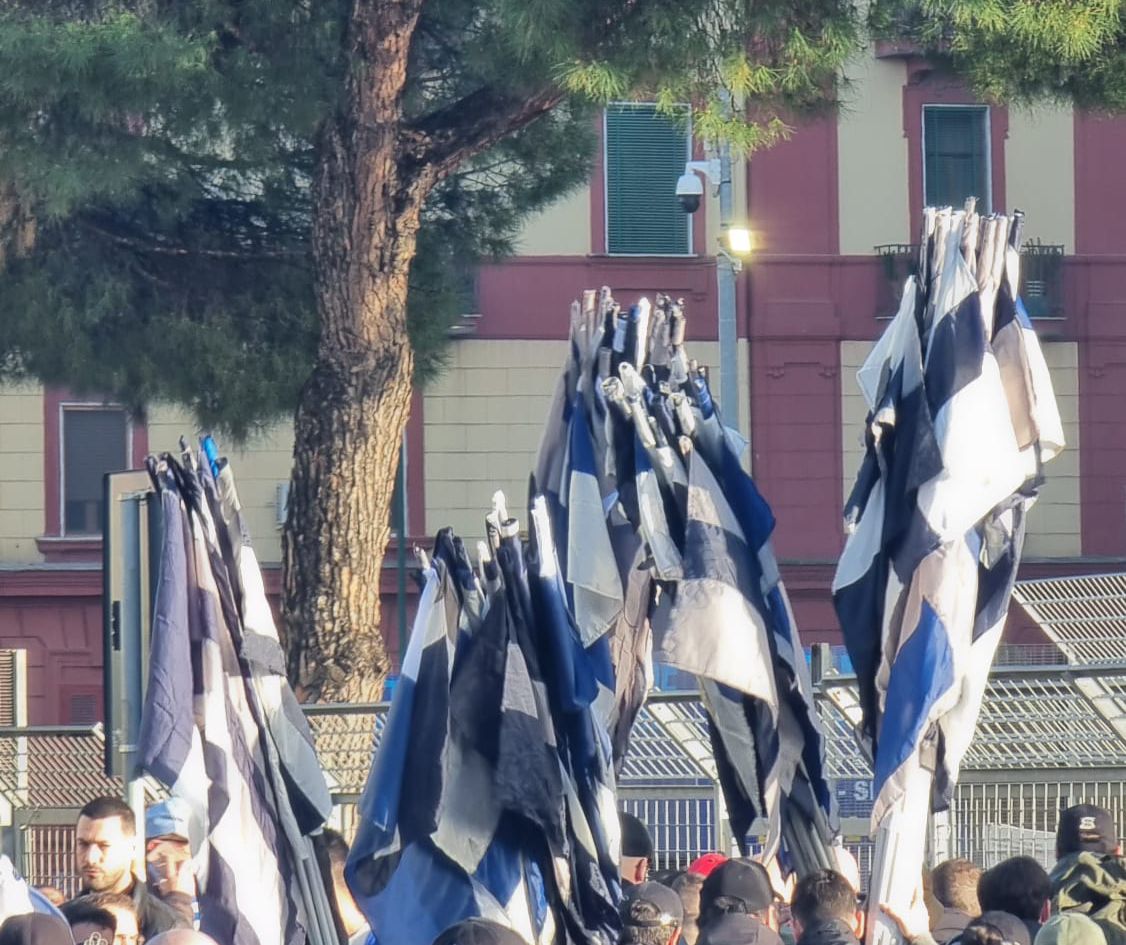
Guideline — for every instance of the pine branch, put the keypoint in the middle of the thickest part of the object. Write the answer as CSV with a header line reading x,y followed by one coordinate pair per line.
x,y
150,243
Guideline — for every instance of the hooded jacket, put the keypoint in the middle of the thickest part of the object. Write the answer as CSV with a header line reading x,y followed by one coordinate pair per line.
x,y
832,932
952,923
1095,885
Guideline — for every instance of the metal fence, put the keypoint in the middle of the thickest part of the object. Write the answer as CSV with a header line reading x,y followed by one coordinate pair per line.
x,y
47,774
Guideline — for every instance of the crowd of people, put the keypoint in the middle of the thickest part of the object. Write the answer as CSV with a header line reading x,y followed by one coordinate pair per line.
x,y
717,900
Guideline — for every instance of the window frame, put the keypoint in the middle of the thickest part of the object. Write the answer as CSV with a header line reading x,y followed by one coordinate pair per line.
x,y
79,406
688,155
987,134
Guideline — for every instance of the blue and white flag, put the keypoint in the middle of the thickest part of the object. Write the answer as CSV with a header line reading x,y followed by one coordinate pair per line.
x,y
200,737
961,417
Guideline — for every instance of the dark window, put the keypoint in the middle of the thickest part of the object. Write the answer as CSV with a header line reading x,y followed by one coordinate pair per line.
x,y
956,156
645,154
95,442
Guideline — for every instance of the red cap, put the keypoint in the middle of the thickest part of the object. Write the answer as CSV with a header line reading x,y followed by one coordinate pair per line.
x,y
703,865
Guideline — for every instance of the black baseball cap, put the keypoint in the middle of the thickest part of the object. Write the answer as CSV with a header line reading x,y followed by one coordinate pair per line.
x,y
737,929
1086,828
479,932
635,837
651,905
1013,930
739,879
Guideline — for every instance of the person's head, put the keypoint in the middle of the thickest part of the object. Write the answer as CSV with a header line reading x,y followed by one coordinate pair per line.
x,y
1070,928
637,849
475,932
954,885
105,845
651,915
825,896
739,886
34,928
1086,828
1018,885
996,928
181,937
337,848
127,929
688,885
90,924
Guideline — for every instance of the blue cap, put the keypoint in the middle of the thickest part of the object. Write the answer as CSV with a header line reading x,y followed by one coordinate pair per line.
x,y
168,819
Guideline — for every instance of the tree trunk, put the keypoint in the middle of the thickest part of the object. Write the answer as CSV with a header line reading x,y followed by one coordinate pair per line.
x,y
353,410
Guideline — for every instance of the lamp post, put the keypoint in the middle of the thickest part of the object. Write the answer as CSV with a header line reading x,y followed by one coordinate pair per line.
x,y
735,243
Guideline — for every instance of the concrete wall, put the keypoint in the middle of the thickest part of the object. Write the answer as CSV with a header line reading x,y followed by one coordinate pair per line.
x,y
872,162
21,472
1041,150
1054,523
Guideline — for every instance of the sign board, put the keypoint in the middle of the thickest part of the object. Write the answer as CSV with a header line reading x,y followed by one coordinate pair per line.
x,y
130,545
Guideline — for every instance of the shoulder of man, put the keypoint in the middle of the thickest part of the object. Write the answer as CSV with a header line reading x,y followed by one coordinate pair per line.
x,y
155,916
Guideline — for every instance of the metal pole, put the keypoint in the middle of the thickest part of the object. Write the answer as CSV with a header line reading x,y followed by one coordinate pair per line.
x,y
133,645
401,549
725,277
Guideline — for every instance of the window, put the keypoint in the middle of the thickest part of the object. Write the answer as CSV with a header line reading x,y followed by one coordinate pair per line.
x,y
645,154
95,441
956,156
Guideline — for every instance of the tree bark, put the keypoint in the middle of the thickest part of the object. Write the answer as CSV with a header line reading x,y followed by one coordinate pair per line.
x,y
353,409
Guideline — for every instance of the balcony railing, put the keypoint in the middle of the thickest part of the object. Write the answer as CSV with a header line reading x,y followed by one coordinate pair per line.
x,y
1041,280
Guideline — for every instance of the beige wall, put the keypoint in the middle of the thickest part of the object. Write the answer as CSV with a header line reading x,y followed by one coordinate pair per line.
x,y
872,156
1053,524
483,422
21,472
1039,169
563,229
259,466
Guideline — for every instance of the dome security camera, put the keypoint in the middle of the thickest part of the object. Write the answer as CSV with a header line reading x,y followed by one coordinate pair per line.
x,y
689,191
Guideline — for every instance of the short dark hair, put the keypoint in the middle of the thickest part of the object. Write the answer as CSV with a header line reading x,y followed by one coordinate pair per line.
x,y
954,885
823,896
336,846
103,808
980,933
1018,885
84,909
112,900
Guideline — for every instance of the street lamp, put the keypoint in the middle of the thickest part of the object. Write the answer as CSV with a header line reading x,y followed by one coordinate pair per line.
x,y
736,242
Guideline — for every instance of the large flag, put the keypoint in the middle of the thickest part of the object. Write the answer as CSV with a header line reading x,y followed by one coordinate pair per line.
x,y
491,794
204,735
962,415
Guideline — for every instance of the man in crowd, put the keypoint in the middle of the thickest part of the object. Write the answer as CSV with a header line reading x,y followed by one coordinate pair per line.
x,y
355,925
126,930
106,848
89,923
954,885
651,915
737,906
688,886
168,857
825,910
1020,886
1090,873
637,851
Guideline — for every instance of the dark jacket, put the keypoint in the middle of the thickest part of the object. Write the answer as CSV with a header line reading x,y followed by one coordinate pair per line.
x,y
950,925
154,916
737,928
833,932
1095,885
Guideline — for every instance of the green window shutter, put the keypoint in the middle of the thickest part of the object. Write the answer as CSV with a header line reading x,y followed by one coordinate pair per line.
x,y
645,154
956,156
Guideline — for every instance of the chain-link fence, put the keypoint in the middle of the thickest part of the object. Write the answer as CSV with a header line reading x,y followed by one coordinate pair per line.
x,y
47,774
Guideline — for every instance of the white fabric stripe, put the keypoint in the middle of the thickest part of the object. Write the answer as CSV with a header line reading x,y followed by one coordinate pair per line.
x,y
235,836
591,567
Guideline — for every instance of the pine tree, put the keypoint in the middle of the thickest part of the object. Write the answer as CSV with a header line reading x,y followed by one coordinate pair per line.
x,y
245,205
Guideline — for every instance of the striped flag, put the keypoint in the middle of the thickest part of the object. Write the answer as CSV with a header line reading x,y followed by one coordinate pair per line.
x,y
962,415
205,736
